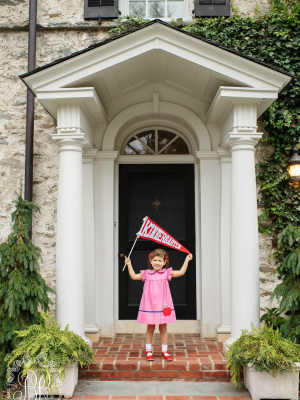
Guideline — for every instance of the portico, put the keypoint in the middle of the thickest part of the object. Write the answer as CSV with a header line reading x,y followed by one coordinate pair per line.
x,y
157,78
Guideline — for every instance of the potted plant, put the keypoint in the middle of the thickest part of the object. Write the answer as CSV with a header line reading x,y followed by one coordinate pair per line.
x,y
270,363
50,358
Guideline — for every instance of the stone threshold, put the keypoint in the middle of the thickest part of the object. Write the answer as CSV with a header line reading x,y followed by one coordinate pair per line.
x,y
159,391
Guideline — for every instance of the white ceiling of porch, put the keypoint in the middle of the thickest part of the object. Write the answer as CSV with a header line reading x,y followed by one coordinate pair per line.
x,y
156,66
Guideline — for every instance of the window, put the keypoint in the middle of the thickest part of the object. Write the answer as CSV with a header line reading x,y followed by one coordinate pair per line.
x,y
212,8
156,141
156,8
94,9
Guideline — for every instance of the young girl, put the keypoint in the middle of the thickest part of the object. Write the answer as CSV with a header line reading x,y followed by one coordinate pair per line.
x,y
156,307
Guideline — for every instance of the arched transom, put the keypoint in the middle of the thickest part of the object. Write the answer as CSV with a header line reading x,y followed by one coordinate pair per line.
x,y
155,141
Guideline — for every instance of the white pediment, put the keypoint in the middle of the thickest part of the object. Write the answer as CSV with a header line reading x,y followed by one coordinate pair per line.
x,y
158,54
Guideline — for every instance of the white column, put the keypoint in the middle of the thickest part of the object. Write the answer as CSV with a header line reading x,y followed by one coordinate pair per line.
x,y
225,180
105,243
244,235
69,240
209,248
89,242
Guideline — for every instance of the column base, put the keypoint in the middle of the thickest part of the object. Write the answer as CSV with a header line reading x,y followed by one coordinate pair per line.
x,y
92,332
108,330
88,341
209,331
93,337
223,333
222,337
227,344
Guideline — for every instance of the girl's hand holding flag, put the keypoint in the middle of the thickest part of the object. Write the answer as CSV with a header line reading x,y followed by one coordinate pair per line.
x,y
182,271
133,275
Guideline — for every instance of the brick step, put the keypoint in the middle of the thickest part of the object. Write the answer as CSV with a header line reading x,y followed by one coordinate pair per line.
x,y
123,358
187,370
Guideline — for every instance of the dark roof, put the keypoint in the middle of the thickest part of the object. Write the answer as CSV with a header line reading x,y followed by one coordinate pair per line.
x,y
155,21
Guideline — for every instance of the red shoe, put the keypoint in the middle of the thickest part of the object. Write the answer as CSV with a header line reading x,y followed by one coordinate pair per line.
x,y
149,356
167,356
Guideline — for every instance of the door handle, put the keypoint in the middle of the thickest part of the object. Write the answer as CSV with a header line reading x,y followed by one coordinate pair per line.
x,y
121,255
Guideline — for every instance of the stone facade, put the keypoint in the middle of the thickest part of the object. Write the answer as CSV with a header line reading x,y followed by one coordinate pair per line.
x,y
61,31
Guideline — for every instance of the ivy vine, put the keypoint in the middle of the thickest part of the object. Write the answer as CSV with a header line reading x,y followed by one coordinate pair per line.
x,y
275,39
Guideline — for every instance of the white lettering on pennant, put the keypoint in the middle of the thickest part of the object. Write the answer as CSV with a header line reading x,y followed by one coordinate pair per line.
x,y
144,231
152,231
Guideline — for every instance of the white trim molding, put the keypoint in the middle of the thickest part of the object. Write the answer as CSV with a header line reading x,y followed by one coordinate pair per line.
x,y
89,156
156,37
227,96
206,155
107,155
88,97
73,142
127,116
234,138
157,159
225,160
224,155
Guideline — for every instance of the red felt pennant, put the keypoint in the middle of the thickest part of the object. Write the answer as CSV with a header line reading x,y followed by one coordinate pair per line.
x,y
151,231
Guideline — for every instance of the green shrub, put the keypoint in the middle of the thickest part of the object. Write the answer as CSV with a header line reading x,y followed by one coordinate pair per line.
x,y
22,288
272,318
267,350
288,291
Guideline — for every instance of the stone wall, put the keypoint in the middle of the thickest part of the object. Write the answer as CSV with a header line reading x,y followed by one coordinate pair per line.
x,y
250,8
61,31
59,13
267,265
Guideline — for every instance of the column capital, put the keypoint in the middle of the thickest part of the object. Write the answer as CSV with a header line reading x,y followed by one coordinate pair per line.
x,y
89,156
241,141
71,141
239,99
224,155
205,155
108,155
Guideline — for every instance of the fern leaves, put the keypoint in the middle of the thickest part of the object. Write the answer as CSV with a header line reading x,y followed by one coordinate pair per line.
x,y
265,349
46,343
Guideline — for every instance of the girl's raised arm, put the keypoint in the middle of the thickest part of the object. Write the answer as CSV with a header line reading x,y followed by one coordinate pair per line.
x,y
133,275
182,271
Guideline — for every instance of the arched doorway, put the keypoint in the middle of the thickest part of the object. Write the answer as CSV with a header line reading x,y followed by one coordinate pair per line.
x,y
166,193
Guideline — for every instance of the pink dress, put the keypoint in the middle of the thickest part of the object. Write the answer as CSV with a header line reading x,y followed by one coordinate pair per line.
x,y
156,295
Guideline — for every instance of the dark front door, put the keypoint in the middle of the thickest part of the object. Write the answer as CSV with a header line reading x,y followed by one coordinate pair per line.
x,y
166,194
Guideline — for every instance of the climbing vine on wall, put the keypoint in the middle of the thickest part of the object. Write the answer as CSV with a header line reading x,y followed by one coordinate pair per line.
x,y
275,39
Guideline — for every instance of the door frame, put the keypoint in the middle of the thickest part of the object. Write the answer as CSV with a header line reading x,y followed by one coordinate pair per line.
x,y
160,159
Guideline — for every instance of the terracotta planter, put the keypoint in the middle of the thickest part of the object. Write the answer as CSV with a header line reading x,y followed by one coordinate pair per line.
x,y
262,385
36,387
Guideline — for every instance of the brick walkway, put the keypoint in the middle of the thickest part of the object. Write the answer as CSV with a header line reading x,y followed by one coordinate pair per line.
x,y
122,358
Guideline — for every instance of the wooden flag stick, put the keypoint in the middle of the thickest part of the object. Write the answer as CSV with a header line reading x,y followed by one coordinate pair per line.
x,y
135,241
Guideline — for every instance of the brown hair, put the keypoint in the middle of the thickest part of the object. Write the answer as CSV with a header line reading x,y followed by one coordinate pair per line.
x,y
159,253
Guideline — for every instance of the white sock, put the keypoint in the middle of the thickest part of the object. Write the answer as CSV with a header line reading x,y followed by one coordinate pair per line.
x,y
164,348
148,347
